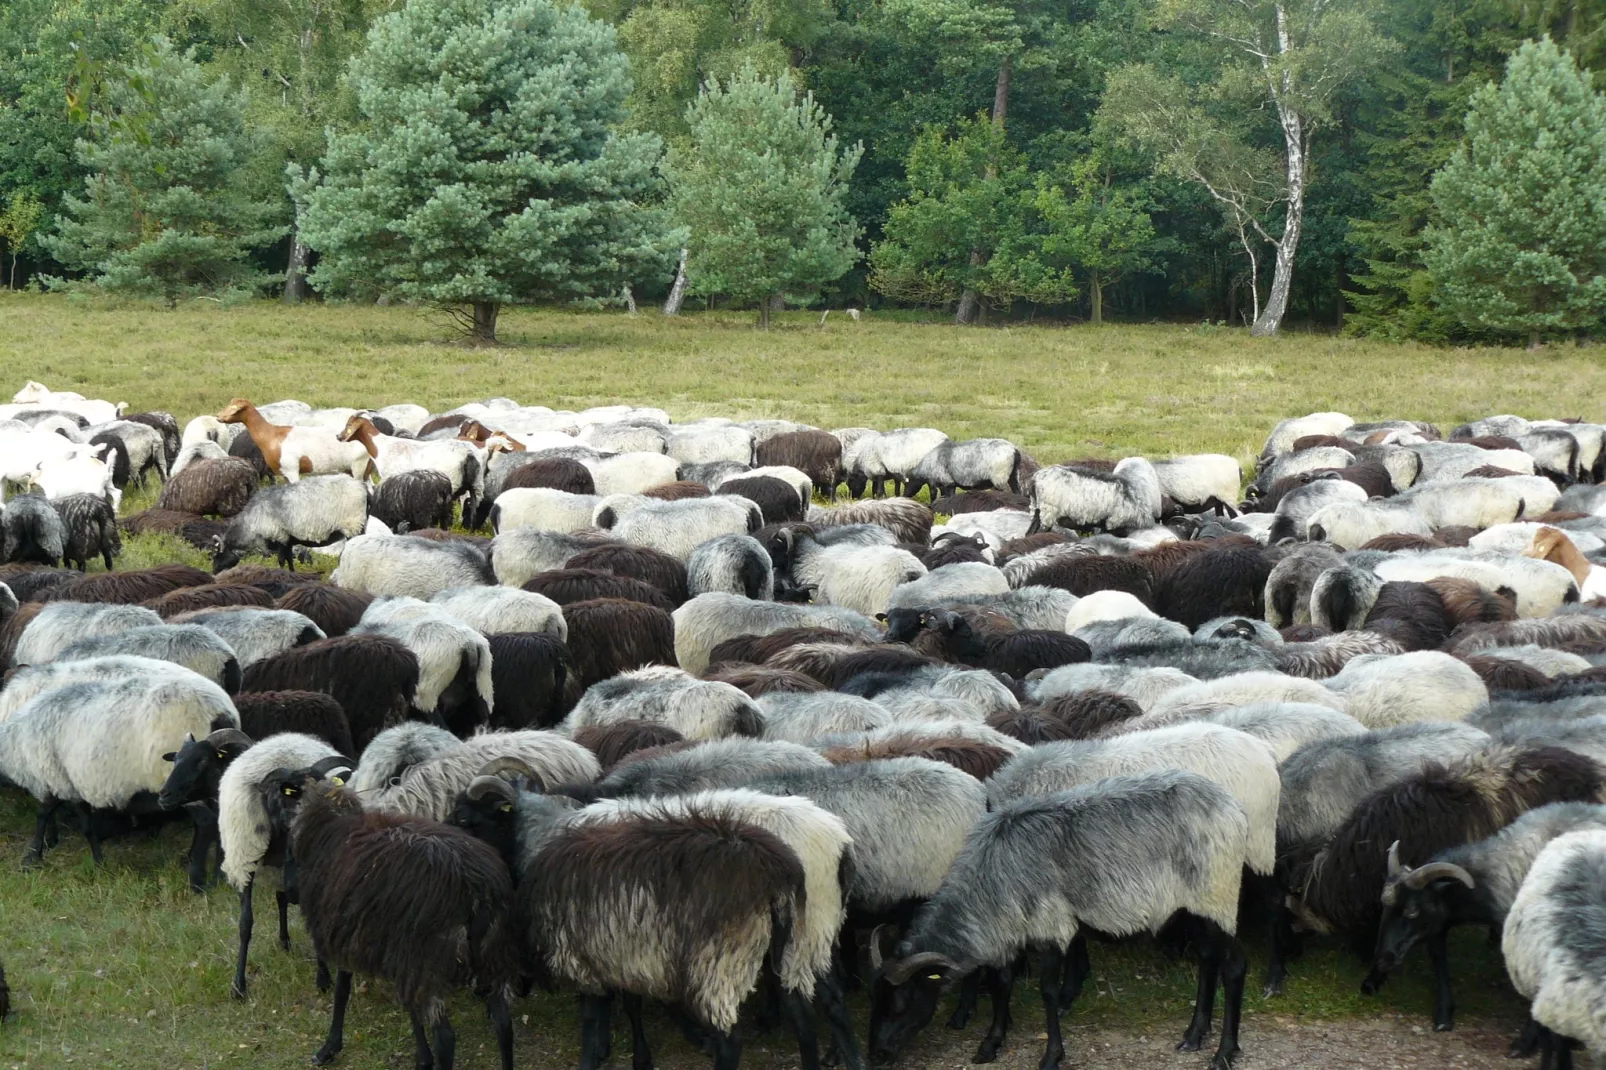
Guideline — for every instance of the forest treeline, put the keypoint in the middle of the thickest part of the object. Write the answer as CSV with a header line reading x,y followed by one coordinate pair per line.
x,y
1429,169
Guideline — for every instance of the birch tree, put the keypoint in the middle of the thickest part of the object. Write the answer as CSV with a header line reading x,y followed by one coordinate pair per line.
x,y
1284,58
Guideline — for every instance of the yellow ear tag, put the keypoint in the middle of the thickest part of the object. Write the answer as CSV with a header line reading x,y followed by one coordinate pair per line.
x,y
337,781
220,754
507,808
288,791
933,976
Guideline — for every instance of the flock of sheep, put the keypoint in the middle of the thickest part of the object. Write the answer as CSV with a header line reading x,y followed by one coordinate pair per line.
x,y
689,726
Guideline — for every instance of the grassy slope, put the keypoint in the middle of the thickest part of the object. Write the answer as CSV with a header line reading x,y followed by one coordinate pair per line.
x,y
125,968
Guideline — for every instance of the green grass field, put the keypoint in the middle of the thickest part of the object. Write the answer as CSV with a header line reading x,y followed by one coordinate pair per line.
x,y
123,967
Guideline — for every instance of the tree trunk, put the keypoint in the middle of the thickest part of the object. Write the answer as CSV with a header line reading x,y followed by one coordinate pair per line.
x,y
295,277
485,313
677,292
970,301
630,300
1293,124
1533,340
1097,286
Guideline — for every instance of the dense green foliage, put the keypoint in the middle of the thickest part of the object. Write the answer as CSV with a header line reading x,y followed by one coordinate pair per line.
x,y
167,208
760,189
487,167
1521,242
1107,117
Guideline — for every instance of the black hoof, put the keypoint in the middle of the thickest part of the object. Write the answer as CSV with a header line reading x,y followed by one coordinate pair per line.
x,y
32,860
1222,1060
1444,1027
1190,1043
237,990
959,1020
987,1052
1050,1060
324,1056
1271,988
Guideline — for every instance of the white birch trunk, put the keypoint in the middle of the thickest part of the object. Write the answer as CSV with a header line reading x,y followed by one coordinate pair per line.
x,y
677,292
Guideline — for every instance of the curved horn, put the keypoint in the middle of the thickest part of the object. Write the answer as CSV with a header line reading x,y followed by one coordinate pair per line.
x,y
1396,871
875,948
229,737
901,970
482,786
497,766
336,767
1423,876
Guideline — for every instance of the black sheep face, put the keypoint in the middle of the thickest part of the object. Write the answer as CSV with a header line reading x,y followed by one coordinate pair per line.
x,y
898,1012
195,763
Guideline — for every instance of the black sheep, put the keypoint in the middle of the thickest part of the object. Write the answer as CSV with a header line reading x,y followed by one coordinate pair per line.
x,y
652,567
408,501
558,473
1227,582
1411,614
756,680
209,596
415,902
528,674
1440,807
566,586
1085,573
979,501
613,743
817,454
1086,714
214,487
335,610
27,580
608,636
90,527
312,713
372,677
1022,652
1030,725
244,448
777,499
759,649
132,587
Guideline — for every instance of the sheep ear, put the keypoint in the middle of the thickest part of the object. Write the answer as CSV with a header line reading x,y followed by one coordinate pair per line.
x,y
882,617
169,756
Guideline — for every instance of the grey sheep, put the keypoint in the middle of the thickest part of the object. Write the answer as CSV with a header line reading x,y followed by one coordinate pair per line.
x,y
1552,944
721,763
407,566
975,464
198,649
1121,856
33,531
254,634
1119,501
709,619
60,624
697,709
1288,588
731,564
316,511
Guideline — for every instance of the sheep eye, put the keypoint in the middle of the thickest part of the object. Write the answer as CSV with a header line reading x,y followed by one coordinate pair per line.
x,y
220,754
1413,912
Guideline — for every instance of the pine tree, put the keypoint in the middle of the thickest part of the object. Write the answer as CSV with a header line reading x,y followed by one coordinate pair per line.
x,y
487,169
762,188
167,209
1520,246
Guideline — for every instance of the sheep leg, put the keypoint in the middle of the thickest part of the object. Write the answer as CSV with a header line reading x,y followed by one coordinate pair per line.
x,y
1204,1002
1281,940
284,918
35,854
727,1051
238,988
423,1058
640,1052
445,1043
801,1015
1000,984
91,833
593,1030
1527,1041
1443,995
1234,967
206,834
1049,970
1077,967
828,993
321,979
337,1021
969,992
